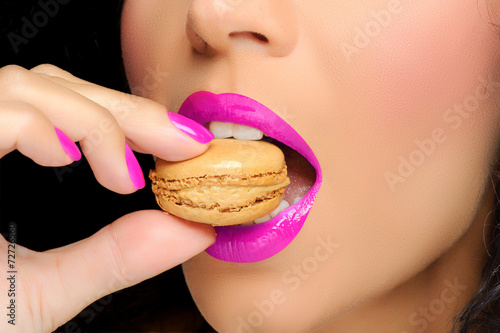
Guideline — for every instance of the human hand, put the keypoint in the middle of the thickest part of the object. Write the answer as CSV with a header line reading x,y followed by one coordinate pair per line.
x,y
105,122
54,286
45,110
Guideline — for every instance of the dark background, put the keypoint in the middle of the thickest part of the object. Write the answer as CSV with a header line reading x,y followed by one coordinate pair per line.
x,y
53,207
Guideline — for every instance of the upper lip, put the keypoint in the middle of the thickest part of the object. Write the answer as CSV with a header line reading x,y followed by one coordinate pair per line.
x,y
204,107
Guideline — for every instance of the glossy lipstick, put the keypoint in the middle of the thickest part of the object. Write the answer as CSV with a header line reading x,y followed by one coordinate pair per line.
x,y
252,243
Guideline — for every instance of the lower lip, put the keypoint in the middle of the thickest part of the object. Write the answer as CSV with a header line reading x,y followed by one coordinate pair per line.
x,y
257,242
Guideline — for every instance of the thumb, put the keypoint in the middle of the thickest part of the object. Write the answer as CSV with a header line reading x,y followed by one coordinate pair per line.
x,y
134,248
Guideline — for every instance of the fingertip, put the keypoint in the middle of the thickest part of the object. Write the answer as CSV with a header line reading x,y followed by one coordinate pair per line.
x,y
206,232
69,147
157,241
191,128
115,165
134,169
176,138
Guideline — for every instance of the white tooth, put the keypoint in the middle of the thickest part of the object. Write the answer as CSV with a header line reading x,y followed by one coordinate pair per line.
x,y
221,130
242,132
248,223
297,199
282,206
154,157
263,219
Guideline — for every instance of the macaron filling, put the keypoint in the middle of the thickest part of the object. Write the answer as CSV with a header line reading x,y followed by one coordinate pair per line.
x,y
233,182
301,173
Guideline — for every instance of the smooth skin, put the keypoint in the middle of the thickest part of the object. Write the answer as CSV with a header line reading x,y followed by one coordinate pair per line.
x,y
53,286
399,102
391,253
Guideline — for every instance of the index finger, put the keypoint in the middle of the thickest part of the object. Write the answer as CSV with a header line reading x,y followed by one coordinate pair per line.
x,y
147,125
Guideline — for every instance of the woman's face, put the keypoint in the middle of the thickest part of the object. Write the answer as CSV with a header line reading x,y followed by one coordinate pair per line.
x,y
396,100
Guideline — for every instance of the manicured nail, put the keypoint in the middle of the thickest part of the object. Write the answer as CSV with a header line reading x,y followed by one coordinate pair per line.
x,y
191,128
70,148
134,169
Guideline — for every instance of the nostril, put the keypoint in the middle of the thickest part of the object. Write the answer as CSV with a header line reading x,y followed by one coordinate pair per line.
x,y
251,35
260,37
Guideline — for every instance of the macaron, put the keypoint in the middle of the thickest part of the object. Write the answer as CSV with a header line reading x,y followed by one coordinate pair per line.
x,y
233,182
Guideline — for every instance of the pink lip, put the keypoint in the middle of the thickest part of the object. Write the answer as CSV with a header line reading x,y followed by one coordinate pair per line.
x,y
252,243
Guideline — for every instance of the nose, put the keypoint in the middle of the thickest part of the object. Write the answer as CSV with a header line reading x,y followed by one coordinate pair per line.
x,y
222,26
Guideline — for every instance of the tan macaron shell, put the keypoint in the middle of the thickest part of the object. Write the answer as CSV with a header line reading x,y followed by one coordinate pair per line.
x,y
232,183
226,157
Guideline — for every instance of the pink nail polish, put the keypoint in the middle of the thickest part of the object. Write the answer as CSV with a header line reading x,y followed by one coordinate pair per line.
x,y
191,128
70,148
134,169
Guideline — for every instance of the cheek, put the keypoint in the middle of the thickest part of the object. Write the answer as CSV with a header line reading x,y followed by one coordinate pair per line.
x,y
431,58
153,38
423,77
133,39
398,111
423,137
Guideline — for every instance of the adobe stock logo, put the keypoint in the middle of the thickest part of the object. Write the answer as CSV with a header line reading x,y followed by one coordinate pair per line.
x,y
453,119
291,280
97,303
31,27
363,36
424,316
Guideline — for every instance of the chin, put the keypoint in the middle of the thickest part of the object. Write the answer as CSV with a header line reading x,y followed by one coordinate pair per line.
x,y
231,301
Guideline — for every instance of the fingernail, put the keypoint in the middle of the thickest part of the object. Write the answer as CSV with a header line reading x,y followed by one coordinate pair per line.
x,y
134,169
70,148
191,128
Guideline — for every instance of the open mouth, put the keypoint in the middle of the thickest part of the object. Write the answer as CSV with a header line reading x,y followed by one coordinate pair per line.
x,y
233,115
301,173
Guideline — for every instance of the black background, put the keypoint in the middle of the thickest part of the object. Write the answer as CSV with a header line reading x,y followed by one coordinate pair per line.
x,y
53,207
